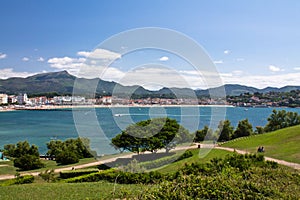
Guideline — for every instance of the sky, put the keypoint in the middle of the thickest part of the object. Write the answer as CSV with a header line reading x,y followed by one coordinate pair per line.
x,y
254,43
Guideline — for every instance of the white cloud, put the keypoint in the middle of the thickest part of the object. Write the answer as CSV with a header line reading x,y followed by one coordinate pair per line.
x,y
164,58
9,72
240,59
273,68
226,52
25,59
296,68
83,53
41,59
2,55
218,62
102,54
66,63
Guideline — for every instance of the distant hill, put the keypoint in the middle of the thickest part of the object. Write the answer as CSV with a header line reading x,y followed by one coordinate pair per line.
x,y
62,83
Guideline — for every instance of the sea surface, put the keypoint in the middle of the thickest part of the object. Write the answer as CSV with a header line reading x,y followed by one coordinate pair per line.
x,y
102,124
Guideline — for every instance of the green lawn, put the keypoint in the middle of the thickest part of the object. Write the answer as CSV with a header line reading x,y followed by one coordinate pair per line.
x,y
202,156
98,190
50,164
282,144
10,169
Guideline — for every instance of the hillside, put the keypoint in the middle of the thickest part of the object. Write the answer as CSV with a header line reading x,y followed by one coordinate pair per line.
x,y
282,144
62,83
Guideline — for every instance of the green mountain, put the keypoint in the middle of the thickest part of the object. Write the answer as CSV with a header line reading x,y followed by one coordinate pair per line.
x,y
62,83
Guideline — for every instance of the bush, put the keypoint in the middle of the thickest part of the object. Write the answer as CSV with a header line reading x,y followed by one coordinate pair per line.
x,y
48,175
74,173
121,177
28,162
19,180
67,157
186,154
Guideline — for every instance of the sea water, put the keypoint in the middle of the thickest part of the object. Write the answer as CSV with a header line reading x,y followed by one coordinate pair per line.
x,y
101,124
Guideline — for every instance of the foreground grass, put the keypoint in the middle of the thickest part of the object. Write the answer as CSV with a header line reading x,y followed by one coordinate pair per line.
x,y
282,144
199,156
98,190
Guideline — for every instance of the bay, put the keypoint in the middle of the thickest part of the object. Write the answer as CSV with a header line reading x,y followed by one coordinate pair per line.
x,y
101,124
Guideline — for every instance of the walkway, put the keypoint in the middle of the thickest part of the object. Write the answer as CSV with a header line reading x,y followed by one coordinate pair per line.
x,y
282,162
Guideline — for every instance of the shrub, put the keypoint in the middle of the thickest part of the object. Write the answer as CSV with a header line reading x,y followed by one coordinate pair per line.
x,y
47,175
19,180
28,162
121,177
74,173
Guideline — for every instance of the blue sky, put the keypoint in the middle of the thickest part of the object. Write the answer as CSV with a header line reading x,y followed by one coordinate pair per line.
x,y
255,43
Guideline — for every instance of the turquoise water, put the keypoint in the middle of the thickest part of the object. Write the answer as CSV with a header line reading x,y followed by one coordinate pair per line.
x,y
39,127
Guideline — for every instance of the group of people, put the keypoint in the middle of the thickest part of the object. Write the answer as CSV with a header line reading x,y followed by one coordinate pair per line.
x,y
260,149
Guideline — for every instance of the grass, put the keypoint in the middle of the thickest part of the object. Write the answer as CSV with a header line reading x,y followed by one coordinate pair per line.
x,y
9,168
282,144
98,190
198,157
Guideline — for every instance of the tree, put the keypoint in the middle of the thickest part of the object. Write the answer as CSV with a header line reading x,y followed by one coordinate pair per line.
x,y
200,134
26,157
67,157
69,151
281,119
243,129
225,130
9,150
28,162
151,135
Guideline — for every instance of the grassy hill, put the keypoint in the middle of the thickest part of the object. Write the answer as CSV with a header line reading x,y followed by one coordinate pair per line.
x,y
282,144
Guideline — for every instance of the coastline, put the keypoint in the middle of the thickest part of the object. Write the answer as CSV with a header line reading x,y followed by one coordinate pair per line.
x,y
54,107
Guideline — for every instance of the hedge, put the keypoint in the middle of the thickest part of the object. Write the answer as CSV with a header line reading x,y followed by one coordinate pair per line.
x,y
19,180
112,175
73,173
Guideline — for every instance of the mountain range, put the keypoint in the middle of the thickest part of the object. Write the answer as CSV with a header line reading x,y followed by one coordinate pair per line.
x,y
61,83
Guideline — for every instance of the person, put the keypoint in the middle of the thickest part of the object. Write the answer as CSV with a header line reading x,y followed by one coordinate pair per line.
x,y
262,149
259,149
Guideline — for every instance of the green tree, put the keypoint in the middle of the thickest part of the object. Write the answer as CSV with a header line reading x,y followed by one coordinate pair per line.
x,y
225,130
26,157
243,129
151,135
200,134
28,162
9,150
67,157
78,148
281,119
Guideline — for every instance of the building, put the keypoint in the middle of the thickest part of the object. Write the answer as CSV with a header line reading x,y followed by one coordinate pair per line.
x,y
3,99
22,98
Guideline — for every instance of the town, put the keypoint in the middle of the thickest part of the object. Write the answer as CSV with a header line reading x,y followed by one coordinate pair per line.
x,y
270,99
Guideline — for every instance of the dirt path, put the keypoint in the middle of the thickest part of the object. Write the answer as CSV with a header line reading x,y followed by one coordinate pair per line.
x,y
282,162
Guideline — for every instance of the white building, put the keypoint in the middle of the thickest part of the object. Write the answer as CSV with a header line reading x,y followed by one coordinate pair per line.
x,y
3,98
22,98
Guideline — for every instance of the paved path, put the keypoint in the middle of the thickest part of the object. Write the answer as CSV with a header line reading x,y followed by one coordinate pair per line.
x,y
99,162
282,162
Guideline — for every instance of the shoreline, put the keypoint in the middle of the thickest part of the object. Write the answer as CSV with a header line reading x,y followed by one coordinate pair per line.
x,y
58,107
54,107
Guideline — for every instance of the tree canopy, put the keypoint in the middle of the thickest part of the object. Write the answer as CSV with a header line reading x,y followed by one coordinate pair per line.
x,y
151,135
69,151
281,119
26,157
